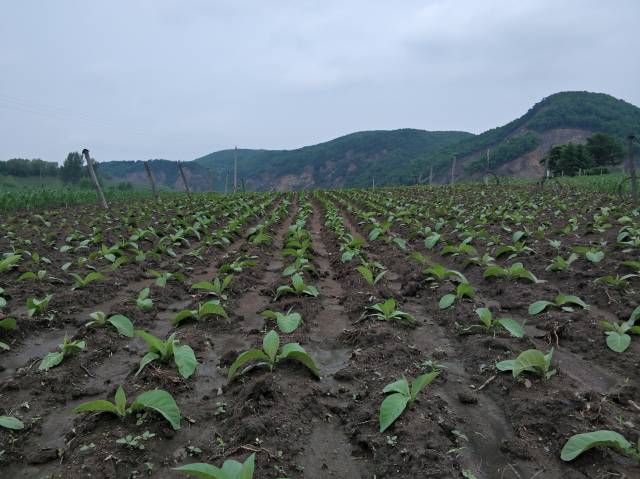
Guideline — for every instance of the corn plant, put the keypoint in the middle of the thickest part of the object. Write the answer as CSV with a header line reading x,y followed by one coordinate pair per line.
x,y
515,271
617,338
463,290
287,323
36,307
121,323
387,311
230,469
7,324
210,308
269,355
157,400
403,395
165,351
297,287
491,324
80,282
9,262
66,349
532,361
371,271
579,443
10,422
143,301
215,288
563,301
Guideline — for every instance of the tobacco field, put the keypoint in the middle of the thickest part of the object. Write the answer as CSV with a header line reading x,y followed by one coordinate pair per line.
x,y
467,331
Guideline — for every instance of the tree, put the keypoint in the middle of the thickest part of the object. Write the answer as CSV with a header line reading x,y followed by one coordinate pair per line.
x,y
604,150
568,159
72,170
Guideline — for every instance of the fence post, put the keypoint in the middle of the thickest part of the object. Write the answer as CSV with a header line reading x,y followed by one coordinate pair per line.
x,y
632,171
103,200
184,178
152,180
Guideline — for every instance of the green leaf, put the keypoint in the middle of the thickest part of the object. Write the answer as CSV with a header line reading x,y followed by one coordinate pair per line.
x,y
446,301
366,274
288,323
529,360
155,345
635,314
212,307
507,365
121,401
511,325
99,405
539,306
271,344
10,422
161,402
420,382
296,352
245,358
618,342
563,299
185,359
400,386
181,316
202,470
297,282
595,256
391,408
146,359
431,240
580,443
485,316
51,360
8,324
122,324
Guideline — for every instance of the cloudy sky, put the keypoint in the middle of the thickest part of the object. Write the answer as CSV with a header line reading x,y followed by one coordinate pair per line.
x,y
176,79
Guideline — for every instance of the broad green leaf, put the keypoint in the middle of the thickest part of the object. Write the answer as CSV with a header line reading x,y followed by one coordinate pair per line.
x,y
485,316
288,323
206,285
431,240
122,324
8,324
580,443
156,345
511,325
529,360
202,470
271,344
212,307
185,359
595,256
297,282
99,405
10,422
51,360
563,299
446,301
146,359
366,274
618,342
121,401
311,291
161,402
539,306
181,316
248,467
245,358
635,314
391,408
400,386
421,381
507,365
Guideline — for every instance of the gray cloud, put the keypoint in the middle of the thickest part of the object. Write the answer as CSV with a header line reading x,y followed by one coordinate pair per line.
x,y
177,79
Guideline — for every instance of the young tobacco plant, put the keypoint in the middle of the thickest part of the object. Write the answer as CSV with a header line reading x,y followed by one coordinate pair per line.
x,y
165,351
36,307
371,271
618,339
463,290
215,288
579,443
561,264
270,356
491,324
287,323
230,469
514,271
532,361
209,308
123,325
66,349
403,395
7,324
143,301
80,282
297,287
9,262
157,400
10,422
162,278
562,301
387,311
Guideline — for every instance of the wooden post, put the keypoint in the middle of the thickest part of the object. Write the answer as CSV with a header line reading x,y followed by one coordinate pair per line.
x,y
152,180
103,200
226,181
212,178
184,178
373,183
235,170
488,152
431,175
453,169
631,166
242,181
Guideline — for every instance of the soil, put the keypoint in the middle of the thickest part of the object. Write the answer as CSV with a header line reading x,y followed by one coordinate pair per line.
x,y
471,420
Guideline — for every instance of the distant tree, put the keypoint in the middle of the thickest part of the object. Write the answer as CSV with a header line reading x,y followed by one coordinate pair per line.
x,y
604,150
568,159
72,170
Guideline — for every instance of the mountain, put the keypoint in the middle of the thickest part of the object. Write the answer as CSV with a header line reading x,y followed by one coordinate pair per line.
x,y
404,156
516,148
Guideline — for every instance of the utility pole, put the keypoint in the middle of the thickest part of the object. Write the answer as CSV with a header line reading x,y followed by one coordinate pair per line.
x,y
631,166
373,182
212,178
152,180
242,182
184,178
453,169
103,200
226,181
235,170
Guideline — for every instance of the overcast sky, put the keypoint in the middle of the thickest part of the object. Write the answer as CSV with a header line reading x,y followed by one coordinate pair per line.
x,y
176,79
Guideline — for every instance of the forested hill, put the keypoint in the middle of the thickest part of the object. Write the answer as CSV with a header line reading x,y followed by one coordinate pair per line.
x,y
516,148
